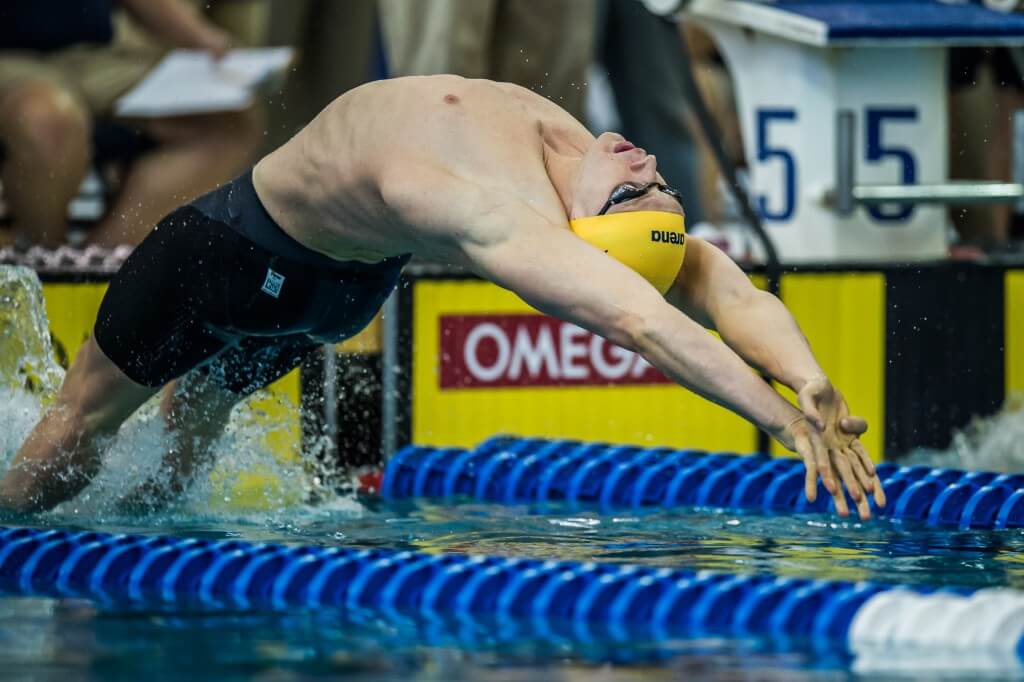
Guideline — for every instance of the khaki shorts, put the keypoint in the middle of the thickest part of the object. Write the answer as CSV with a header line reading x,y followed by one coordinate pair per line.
x,y
95,74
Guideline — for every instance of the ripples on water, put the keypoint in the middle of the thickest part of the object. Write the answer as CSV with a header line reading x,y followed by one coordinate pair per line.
x,y
43,638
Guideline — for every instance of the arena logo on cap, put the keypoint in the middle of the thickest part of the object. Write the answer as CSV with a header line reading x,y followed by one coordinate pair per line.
x,y
492,351
667,237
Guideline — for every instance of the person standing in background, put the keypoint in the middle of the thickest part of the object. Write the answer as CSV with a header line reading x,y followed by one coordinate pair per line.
x,y
632,46
194,153
544,46
62,68
335,41
985,89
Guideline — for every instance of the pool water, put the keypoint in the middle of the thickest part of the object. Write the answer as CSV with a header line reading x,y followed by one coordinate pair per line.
x,y
46,638
49,639
42,640
62,639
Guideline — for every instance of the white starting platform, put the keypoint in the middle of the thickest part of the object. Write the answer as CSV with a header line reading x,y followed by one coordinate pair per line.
x,y
883,64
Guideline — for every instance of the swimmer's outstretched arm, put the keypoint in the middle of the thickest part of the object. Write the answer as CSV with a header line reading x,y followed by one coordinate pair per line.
x,y
563,276
713,290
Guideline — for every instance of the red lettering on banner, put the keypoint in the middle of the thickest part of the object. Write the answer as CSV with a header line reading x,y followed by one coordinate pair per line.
x,y
489,351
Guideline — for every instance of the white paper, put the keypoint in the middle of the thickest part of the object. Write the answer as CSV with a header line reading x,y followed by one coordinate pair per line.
x,y
192,82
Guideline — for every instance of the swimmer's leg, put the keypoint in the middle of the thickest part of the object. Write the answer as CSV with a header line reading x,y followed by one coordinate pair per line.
x,y
196,410
61,455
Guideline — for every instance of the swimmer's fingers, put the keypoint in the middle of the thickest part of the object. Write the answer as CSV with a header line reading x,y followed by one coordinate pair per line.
x,y
865,458
844,467
879,494
806,451
839,499
862,454
865,479
828,476
864,483
815,456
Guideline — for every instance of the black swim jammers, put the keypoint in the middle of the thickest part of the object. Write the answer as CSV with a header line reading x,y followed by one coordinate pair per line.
x,y
217,285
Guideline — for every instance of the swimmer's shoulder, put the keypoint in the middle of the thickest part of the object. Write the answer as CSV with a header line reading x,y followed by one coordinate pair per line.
x,y
412,86
439,205
437,88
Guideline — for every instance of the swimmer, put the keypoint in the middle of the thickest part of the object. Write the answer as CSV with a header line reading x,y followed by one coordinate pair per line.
x,y
234,289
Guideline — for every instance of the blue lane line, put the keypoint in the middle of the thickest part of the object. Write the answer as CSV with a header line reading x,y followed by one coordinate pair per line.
x,y
611,477
547,599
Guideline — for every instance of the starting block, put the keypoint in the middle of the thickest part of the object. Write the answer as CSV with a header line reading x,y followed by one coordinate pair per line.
x,y
802,68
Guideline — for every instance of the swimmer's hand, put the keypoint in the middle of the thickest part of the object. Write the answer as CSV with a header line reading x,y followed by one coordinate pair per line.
x,y
841,451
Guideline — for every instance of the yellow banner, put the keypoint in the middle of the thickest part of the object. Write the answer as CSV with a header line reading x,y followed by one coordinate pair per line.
x,y
485,362
1014,311
561,389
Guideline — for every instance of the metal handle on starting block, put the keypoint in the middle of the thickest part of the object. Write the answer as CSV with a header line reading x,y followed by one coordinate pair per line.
x,y
847,194
1018,153
846,162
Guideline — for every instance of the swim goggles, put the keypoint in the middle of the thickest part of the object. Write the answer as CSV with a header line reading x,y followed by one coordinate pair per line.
x,y
629,190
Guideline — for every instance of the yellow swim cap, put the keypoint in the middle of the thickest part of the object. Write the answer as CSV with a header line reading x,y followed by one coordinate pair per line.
x,y
653,243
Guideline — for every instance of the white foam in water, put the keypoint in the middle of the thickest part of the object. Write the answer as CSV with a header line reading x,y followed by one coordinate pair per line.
x,y
136,453
19,411
30,377
995,443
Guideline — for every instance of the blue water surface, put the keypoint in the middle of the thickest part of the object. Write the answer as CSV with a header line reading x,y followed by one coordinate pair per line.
x,y
45,639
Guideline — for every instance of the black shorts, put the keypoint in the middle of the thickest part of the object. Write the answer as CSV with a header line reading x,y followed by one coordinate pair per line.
x,y
218,286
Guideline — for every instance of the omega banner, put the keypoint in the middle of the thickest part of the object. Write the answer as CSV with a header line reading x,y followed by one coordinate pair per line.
x,y
484,363
532,350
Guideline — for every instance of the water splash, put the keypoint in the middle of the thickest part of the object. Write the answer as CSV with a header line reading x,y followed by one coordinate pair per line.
x,y
994,443
19,412
27,361
29,374
248,480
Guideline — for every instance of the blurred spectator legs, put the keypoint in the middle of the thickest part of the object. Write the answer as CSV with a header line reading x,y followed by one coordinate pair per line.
x,y
190,155
985,91
49,102
544,46
44,133
193,154
716,86
46,112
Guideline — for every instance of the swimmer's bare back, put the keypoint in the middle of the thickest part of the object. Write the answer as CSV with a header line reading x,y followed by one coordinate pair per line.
x,y
486,176
397,166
